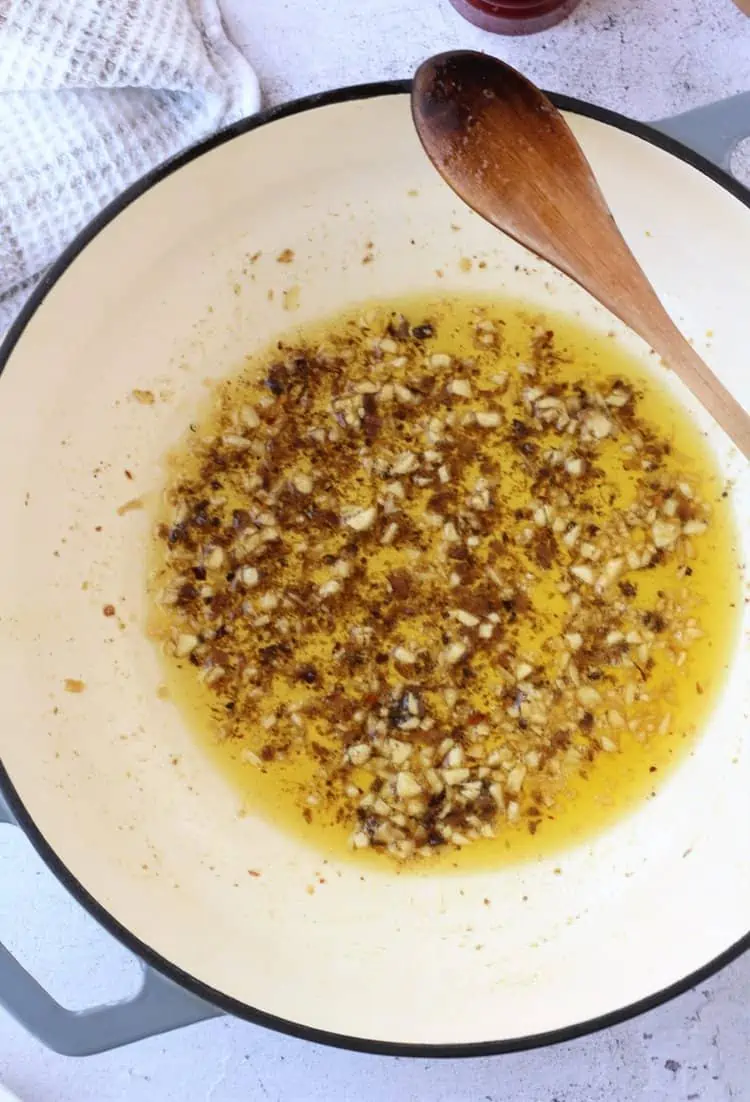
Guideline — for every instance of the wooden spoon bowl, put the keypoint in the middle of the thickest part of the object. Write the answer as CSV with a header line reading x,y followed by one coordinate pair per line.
x,y
507,151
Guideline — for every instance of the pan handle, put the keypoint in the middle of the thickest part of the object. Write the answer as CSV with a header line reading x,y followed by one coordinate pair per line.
x,y
157,1007
713,131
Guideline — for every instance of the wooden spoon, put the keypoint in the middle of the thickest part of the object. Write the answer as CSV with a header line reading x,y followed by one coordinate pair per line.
x,y
507,151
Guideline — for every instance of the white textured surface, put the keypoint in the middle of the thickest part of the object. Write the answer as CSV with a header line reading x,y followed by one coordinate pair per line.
x,y
647,58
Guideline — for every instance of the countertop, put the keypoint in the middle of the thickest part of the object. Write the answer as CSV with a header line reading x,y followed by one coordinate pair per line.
x,y
645,58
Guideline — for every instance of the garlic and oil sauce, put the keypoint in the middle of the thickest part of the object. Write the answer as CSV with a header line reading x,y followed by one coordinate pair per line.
x,y
445,581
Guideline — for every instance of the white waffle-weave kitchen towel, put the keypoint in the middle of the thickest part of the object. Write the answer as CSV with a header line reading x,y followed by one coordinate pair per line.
x,y
93,93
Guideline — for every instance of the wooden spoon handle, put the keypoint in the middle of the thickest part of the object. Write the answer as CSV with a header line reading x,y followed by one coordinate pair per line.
x,y
616,279
584,241
657,329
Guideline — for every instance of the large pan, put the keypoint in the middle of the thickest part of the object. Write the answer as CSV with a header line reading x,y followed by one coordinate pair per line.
x,y
159,294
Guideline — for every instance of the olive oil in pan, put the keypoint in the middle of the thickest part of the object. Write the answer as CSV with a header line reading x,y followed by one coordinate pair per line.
x,y
507,615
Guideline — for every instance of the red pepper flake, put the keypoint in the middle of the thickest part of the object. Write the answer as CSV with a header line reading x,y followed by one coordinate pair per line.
x,y
109,610
73,685
130,506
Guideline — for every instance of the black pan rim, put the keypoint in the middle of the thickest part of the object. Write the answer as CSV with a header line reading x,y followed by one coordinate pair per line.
x,y
229,1005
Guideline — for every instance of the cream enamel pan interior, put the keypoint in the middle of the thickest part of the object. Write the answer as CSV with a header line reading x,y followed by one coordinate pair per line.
x,y
158,300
